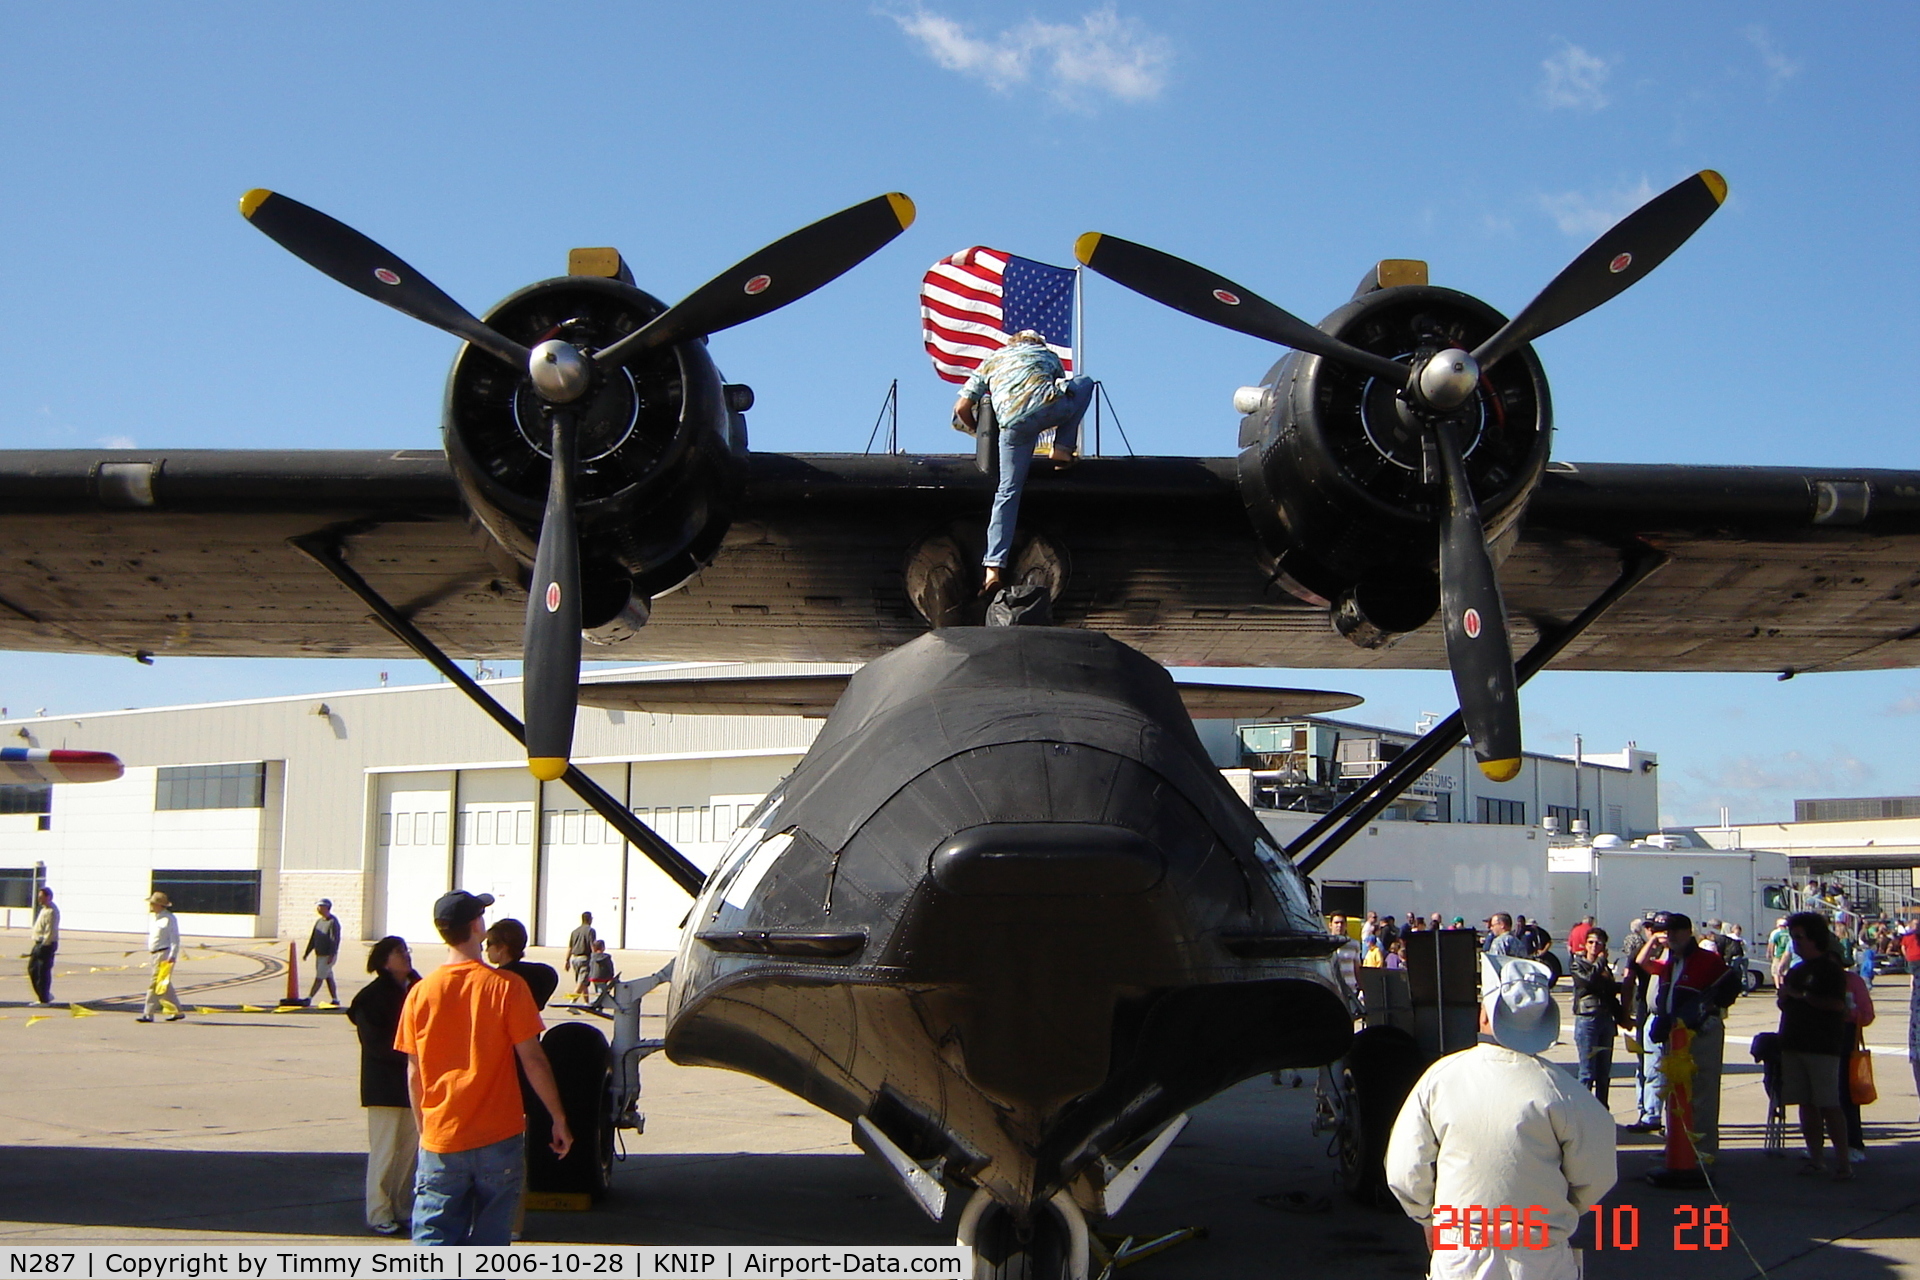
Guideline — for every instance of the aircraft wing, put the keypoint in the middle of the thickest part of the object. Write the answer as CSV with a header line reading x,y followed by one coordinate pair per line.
x,y
187,553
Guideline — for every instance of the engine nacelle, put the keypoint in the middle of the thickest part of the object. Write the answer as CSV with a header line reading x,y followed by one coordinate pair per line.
x,y
1336,474
662,447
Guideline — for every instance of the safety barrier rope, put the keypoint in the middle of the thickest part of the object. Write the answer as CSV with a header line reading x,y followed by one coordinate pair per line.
x,y
1677,1070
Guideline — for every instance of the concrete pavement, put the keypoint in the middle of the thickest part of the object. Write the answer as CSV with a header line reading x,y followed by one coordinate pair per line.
x,y
245,1126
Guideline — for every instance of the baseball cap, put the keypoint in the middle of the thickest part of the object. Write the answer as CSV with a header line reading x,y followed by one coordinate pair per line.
x,y
325,902
460,906
1518,997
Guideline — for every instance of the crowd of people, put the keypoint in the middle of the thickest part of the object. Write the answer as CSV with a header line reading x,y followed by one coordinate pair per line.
x,y
450,1062
1665,975
446,1062
1497,1124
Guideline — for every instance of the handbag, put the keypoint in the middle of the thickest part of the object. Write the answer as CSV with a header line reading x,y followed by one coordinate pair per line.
x,y
1860,1090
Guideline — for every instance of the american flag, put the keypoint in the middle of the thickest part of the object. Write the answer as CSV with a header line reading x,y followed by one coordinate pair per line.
x,y
972,302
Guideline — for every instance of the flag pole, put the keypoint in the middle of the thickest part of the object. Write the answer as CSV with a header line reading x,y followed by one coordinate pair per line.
x,y
1079,333
1079,324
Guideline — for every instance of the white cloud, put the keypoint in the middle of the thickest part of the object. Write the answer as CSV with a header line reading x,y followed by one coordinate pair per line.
x,y
1780,68
117,442
1906,706
1575,79
1077,64
1583,215
1757,787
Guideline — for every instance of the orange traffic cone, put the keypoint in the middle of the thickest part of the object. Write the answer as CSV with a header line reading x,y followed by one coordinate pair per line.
x,y
1682,1168
293,978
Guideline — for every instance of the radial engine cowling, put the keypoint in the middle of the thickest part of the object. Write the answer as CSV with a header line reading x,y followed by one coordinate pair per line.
x,y
662,447
1336,475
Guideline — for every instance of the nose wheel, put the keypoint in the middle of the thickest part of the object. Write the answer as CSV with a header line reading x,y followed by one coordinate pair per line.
x,y
1052,1244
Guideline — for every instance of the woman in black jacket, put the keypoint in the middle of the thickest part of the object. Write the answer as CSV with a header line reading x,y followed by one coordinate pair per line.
x,y
1596,1012
393,1142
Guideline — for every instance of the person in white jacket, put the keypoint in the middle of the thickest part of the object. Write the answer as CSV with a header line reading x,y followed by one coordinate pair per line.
x,y
1497,1152
163,948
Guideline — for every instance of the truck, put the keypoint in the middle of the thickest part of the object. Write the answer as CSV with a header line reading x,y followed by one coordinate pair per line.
x,y
1615,881
1402,868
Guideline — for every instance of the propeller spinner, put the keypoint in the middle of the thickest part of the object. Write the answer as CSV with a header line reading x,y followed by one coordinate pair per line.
x,y
1433,387
563,374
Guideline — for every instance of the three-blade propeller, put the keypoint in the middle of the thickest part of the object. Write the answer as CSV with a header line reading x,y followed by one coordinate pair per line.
x,y
1434,387
786,270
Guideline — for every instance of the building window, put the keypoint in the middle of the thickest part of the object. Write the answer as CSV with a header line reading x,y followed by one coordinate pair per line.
x,y
214,893
1506,813
1566,813
1856,809
212,786
26,797
16,886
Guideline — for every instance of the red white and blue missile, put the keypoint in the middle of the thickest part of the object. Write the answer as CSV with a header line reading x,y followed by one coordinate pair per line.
x,y
34,764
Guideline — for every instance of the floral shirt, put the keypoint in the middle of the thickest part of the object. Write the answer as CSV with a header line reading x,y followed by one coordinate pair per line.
x,y
1018,378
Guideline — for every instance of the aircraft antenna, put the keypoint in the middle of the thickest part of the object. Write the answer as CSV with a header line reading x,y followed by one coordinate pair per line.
x,y
890,414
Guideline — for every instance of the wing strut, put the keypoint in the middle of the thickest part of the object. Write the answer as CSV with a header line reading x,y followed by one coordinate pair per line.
x,y
326,553
1376,793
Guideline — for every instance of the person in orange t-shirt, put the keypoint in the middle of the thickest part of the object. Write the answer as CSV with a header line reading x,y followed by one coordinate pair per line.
x,y
462,1028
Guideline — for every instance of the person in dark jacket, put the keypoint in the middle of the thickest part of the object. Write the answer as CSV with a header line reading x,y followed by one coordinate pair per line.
x,y
393,1141
1814,1038
323,944
1597,1011
506,948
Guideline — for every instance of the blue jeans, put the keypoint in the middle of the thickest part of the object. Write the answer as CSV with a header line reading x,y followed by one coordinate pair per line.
x,y
469,1197
1016,457
1593,1046
1652,1110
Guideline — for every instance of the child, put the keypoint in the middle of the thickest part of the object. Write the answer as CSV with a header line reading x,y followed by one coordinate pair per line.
x,y
600,975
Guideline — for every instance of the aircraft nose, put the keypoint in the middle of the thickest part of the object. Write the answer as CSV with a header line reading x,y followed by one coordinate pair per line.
x,y
1047,859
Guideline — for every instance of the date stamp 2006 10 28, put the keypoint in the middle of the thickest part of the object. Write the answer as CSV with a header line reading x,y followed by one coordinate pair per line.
x,y
1476,1226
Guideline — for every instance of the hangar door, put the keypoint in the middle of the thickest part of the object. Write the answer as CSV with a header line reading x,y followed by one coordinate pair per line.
x,y
494,845
411,852
582,860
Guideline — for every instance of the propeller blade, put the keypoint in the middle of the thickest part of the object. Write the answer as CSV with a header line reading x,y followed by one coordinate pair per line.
x,y
785,271
1612,264
336,249
1177,283
1476,623
551,650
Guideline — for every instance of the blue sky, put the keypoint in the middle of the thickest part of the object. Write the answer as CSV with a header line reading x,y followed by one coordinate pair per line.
x,y
1287,146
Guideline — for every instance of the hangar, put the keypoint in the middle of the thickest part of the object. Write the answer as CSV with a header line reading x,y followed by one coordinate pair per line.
x,y
246,812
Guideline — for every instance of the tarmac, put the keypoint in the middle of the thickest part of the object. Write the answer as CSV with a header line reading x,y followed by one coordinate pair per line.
x,y
241,1125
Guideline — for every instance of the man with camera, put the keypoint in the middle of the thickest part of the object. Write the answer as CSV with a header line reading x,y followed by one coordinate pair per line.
x,y
1695,988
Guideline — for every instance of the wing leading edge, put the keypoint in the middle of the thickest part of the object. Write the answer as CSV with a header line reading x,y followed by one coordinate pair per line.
x,y
186,553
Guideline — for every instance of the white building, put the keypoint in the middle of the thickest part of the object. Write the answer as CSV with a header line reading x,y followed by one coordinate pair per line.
x,y
379,799
1303,762
1867,848
248,812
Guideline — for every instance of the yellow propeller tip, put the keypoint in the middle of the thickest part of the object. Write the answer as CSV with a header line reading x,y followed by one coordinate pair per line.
x,y
253,200
547,768
902,209
1085,247
1501,770
1716,184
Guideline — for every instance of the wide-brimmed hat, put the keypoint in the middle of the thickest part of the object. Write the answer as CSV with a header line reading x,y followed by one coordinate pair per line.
x,y
1517,995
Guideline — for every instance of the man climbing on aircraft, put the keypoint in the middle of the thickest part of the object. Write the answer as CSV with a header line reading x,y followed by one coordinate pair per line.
x,y
1030,392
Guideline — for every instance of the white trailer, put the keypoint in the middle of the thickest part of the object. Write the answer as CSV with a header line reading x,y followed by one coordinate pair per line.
x,y
1614,882
1470,870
